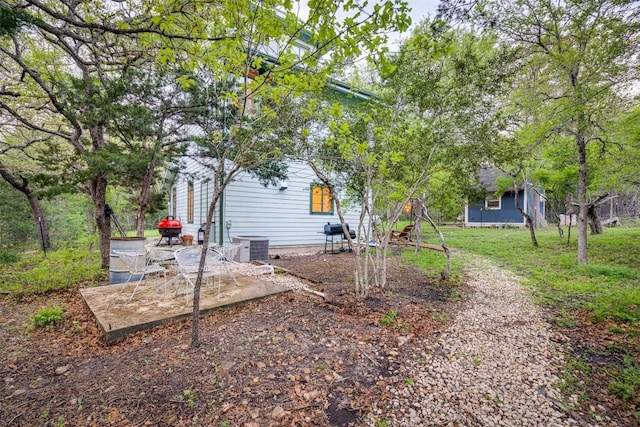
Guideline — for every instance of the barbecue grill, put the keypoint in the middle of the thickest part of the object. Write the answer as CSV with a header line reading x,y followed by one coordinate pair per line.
x,y
169,228
331,230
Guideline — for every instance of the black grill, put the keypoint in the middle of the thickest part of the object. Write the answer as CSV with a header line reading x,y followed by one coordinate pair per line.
x,y
331,230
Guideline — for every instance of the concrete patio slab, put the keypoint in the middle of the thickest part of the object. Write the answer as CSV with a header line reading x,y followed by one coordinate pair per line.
x,y
118,318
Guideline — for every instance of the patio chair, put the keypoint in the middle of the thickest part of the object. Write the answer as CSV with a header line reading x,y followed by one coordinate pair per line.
x,y
229,253
159,255
139,268
188,260
163,257
405,234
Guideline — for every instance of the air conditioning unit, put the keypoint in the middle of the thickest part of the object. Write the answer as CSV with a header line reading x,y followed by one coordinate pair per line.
x,y
252,248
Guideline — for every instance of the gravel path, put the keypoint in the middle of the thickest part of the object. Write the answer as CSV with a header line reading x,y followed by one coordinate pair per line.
x,y
495,365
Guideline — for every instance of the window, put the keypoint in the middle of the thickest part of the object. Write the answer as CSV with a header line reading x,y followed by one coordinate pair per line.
x,y
493,203
321,202
174,201
190,202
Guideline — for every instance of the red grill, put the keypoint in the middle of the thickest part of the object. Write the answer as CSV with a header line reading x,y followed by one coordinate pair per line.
x,y
169,228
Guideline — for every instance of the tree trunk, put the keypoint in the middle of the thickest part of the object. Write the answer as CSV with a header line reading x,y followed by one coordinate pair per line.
x,y
98,192
569,211
22,184
195,314
41,225
383,244
380,268
595,224
417,230
582,198
594,220
362,284
336,200
365,278
364,263
222,178
557,216
526,216
424,214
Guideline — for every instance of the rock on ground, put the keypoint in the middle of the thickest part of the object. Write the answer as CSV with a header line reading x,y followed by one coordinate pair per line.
x,y
495,365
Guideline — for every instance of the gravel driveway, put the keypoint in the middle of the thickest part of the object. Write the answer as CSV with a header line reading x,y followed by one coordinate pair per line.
x,y
495,365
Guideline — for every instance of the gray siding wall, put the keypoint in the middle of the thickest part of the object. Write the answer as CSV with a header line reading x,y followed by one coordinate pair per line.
x,y
283,216
202,193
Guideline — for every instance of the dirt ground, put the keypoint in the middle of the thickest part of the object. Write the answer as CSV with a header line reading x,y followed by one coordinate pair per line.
x,y
293,360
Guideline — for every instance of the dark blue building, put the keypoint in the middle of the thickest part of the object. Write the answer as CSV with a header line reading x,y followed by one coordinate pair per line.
x,y
500,210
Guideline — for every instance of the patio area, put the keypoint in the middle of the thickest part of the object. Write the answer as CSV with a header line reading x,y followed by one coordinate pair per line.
x,y
151,306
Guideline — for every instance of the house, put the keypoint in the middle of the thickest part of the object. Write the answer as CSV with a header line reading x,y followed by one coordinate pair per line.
x,y
292,213
500,209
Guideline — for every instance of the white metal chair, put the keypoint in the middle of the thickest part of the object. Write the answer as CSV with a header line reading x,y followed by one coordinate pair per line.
x,y
188,260
159,255
229,251
163,257
139,268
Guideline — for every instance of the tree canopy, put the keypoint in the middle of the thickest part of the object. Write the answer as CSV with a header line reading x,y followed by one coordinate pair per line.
x,y
578,63
111,78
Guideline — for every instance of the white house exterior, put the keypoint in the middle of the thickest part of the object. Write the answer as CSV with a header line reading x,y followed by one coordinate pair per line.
x,y
283,214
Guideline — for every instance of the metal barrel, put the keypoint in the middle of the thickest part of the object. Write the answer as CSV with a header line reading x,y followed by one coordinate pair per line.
x,y
118,272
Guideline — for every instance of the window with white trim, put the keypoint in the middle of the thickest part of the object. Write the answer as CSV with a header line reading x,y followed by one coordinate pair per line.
x,y
493,203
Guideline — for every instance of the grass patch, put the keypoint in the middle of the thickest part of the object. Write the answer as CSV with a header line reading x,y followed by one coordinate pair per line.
x,y
625,381
608,287
33,274
389,318
433,262
8,257
564,320
574,378
607,290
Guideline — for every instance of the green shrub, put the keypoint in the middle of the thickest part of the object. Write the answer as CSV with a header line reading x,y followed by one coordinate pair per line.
x,y
47,317
62,269
7,257
390,318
